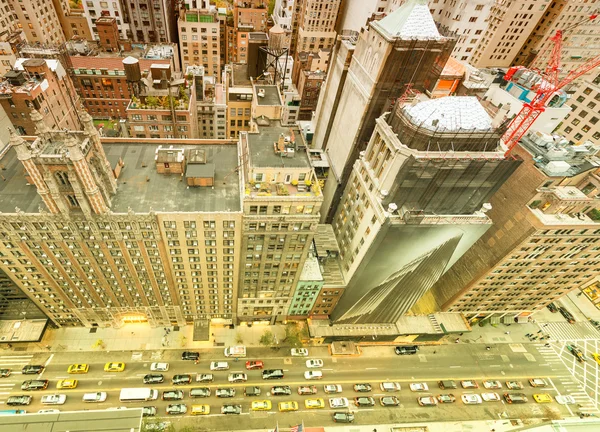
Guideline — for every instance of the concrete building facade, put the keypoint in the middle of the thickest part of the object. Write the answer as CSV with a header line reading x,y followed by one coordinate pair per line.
x,y
199,40
40,24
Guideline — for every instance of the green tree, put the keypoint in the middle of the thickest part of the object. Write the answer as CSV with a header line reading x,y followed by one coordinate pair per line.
x,y
267,338
293,335
238,338
271,7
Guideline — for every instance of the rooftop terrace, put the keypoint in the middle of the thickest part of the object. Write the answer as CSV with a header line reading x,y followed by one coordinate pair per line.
x,y
271,95
262,154
140,187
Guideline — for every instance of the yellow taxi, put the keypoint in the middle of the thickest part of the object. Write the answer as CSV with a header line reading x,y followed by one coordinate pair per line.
x,y
288,406
200,409
314,403
596,357
114,367
263,405
78,369
542,398
67,384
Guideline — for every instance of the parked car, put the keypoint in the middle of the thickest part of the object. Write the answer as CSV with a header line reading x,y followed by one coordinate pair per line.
x,y
262,405
404,350
159,367
447,384
427,401
54,399
514,385
299,352
182,379
446,398
389,401
314,363
170,395
343,417
492,384
225,392
363,401
252,391
32,369
314,403
281,391
199,392
237,377
19,400
176,409
490,397
332,388
219,366
313,375
419,387
231,409
362,388
153,378
254,364
469,384
269,374
190,355
515,398
204,378
471,399
538,382
148,411
307,390
390,386
567,315
288,406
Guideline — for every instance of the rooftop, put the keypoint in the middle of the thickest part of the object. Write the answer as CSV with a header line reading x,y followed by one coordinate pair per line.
x,y
452,113
311,270
262,154
410,21
271,95
110,63
240,75
140,187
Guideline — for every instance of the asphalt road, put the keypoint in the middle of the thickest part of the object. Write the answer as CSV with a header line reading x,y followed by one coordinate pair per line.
x,y
504,362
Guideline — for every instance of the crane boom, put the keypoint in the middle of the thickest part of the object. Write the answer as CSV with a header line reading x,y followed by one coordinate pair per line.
x,y
532,110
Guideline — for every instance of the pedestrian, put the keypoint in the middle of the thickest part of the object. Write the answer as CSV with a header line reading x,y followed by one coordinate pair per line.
x,y
534,338
488,348
547,345
507,332
461,334
132,333
196,361
434,352
539,331
545,325
456,340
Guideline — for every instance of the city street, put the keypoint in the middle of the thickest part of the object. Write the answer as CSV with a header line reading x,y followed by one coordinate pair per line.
x,y
503,362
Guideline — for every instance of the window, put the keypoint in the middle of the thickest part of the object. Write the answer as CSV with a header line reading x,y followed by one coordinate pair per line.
x,y
473,19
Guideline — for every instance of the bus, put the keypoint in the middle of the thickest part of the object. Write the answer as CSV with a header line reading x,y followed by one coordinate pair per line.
x,y
12,412
138,395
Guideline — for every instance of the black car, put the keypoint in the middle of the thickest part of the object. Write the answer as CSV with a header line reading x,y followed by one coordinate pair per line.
x,y
231,409
362,388
552,307
34,385
148,411
153,378
172,395
32,369
19,400
182,379
343,417
364,401
281,391
252,391
190,355
568,316
404,350
225,392
272,374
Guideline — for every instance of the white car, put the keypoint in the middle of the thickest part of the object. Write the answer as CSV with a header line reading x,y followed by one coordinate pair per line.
x,y
340,402
218,366
417,387
490,397
332,388
48,411
312,375
314,363
54,399
299,352
237,377
471,399
564,400
492,384
159,367
390,386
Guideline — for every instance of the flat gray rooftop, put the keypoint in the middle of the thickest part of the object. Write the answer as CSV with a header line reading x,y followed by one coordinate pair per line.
x,y
262,153
271,95
140,187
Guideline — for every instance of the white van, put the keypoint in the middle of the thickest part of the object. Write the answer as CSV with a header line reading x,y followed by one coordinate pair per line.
x,y
94,397
235,351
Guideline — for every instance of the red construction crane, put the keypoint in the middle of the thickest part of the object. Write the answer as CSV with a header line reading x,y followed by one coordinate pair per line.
x,y
532,110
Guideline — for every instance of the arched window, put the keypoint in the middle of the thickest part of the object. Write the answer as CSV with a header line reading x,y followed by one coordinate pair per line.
x,y
63,178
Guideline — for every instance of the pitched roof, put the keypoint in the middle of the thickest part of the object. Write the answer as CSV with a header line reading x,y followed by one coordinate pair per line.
x,y
410,21
111,63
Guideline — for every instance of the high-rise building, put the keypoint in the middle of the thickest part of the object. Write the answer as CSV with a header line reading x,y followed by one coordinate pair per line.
x,y
199,40
211,104
545,238
248,16
150,21
414,203
73,19
43,85
403,48
239,99
97,9
156,249
40,24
